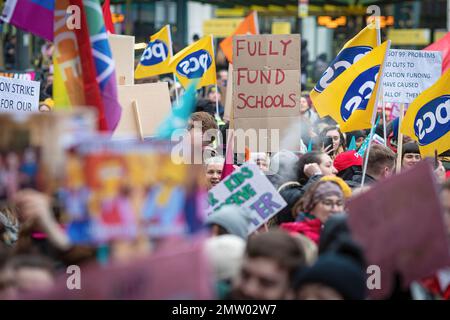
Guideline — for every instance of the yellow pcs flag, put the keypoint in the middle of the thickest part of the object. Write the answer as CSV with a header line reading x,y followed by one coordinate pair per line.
x,y
349,99
156,57
428,118
352,51
196,62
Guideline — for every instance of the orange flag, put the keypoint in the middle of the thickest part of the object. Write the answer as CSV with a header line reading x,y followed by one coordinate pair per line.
x,y
248,26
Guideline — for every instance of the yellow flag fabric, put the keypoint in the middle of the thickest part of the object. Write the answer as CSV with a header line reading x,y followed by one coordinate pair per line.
x,y
353,50
156,57
349,99
196,62
428,118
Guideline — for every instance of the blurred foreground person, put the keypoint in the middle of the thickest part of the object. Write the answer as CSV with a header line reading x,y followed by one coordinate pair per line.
x,y
332,277
269,264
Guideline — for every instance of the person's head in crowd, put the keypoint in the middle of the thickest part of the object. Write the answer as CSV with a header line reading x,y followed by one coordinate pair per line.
x,y
9,227
338,138
323,123
222,77
270,261
305,103
26,274
348,164
206,105
381,162
360,136
46,105
445,200
332,277
206,123
322,200
261,159
214,94
308,246
410,155
213,167
324,166
283,163
225,254
229,219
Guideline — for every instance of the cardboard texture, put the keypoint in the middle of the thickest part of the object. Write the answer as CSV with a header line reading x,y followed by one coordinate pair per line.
x,y
400,231
122,48
153,105
266,85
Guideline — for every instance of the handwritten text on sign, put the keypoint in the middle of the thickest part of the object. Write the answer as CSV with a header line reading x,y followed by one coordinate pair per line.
x,y
18,96
250,188
408,73
266,75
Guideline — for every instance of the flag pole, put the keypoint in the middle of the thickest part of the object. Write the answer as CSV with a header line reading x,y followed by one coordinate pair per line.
x,y
174,76
375,109
378,26
400,139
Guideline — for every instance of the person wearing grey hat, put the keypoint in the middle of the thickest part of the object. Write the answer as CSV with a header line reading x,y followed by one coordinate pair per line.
x,y
230,219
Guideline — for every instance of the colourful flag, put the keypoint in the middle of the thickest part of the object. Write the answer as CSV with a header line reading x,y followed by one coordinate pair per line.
x,y
68,86
352,145
180,114
92,92
196,62
353,51
107,16
104,64
442,45
349,99
156,57
248,26
428,118
35,16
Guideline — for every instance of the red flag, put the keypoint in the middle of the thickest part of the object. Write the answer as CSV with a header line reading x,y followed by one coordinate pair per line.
x,y
228,167
107,17
91,89
442,45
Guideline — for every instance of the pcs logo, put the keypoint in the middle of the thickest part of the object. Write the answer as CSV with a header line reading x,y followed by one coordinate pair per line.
x,y
155,53
195,65
358,94
345,59
433,120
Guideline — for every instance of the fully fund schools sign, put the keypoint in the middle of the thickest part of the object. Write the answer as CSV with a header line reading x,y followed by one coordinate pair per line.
x,y
408,73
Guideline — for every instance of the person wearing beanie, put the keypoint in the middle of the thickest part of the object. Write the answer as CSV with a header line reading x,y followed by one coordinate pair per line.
x,y
348,164
410,155
321,200
230,219
332,277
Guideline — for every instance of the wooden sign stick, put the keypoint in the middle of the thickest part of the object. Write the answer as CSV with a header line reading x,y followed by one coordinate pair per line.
x,y
138,119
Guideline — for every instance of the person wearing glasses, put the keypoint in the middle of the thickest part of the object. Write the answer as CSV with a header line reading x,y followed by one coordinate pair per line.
x,y
323,199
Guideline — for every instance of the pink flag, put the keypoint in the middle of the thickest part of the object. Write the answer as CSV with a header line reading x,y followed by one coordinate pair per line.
x,y
442,45
228,167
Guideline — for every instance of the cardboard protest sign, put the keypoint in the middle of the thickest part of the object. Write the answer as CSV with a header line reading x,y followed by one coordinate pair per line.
x,y
19,96
161,276
408,73
399,223
153,105
125,189
122,48
266,82
250,188
32,148
227,115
